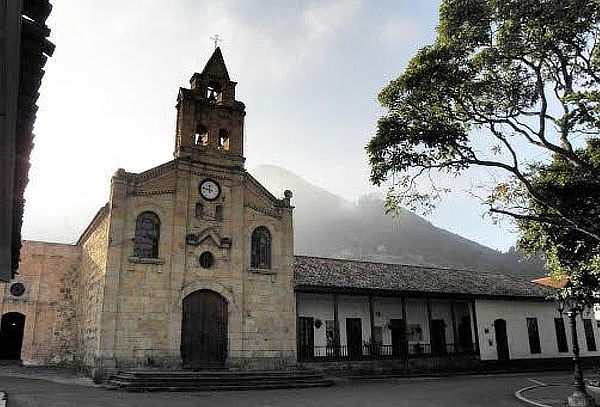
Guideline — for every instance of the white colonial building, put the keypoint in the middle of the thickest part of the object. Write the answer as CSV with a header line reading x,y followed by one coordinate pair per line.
x,y
353,310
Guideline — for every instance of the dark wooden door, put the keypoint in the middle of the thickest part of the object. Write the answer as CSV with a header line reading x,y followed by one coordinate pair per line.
x,y
399,342
501,340
465,335
438,336
354,337
11,335
204,329
305,338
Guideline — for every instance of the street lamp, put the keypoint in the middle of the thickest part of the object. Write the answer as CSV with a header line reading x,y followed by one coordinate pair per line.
x,y
573,306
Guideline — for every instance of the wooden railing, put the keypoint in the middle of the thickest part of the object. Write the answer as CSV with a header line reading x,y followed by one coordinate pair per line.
x,y
380,351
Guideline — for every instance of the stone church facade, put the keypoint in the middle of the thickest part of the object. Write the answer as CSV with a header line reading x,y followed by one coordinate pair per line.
x,y
197,240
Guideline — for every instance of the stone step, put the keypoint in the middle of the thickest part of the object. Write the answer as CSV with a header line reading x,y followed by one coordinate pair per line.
x,y
236,376
231,387
148,380
121,381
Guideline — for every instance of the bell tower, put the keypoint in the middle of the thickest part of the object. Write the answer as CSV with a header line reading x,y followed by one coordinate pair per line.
x,y
210,122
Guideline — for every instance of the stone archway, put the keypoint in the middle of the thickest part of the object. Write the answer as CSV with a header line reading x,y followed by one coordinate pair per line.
x,y
204,329
12,327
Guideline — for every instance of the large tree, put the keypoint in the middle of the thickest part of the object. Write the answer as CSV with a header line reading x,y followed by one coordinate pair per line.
x,y
512,86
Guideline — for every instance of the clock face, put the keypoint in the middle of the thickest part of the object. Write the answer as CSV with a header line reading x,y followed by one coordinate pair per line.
x,y
210,190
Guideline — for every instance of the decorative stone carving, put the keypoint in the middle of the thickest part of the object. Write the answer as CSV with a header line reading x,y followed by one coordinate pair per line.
x,y
196,239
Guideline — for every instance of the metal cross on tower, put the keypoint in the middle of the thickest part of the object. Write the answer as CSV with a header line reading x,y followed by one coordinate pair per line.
x,y
216,39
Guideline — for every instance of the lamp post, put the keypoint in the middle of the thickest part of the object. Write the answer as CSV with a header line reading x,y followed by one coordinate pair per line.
x,y
579,398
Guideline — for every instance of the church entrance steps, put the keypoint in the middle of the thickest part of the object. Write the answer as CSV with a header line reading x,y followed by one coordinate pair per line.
x,y
211,380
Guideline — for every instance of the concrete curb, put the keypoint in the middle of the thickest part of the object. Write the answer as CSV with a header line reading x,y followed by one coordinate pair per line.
x,y
519,394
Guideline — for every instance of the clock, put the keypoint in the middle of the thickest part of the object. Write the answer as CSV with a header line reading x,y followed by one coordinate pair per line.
x,y
210,189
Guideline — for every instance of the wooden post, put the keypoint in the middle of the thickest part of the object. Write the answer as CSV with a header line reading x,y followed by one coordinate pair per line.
x,y
372,325
404,349
475,328
454,333
371,316
428,303
336,327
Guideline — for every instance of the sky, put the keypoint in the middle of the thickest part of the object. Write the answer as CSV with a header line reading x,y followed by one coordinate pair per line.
x,y
308,72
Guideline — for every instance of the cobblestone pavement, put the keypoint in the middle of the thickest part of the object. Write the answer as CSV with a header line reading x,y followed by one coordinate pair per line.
x,y
53,389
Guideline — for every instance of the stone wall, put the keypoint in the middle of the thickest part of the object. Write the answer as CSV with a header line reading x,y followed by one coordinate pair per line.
x,y
49,273
94,245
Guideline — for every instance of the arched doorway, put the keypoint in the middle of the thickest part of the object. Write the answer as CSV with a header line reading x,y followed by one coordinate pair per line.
x,y
203,329
501,340
11,335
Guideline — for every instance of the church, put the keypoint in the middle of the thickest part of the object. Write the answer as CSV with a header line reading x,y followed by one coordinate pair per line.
x,y
191,265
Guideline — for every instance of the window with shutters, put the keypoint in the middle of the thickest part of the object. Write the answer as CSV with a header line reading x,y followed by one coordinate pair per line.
x,y
534,335
590,340
561,335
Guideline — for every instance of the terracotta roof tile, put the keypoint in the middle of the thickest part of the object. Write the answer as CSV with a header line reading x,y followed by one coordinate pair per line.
x,y
335,274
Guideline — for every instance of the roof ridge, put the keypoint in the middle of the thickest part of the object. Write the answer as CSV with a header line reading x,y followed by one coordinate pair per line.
x,y
408,265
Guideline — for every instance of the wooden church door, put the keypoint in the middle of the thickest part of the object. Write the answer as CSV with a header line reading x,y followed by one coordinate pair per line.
x,y
204,329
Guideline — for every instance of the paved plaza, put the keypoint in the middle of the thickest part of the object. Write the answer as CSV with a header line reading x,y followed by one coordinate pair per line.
x,y
28,388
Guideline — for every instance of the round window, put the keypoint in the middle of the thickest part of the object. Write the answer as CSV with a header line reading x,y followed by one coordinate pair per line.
x,y
17,289
207,260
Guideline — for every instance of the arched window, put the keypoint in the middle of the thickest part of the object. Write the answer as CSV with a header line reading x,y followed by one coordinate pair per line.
x,y
223,139
261,248
201,136
147,234
214,92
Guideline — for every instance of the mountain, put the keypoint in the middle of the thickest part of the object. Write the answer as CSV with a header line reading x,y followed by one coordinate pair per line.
x,y
330,226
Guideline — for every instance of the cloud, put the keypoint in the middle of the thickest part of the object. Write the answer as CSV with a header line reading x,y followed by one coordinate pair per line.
x,y
401,31
288,42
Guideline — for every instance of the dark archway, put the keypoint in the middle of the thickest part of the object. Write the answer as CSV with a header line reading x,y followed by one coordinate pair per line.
x,y
501,340
203,329
11,335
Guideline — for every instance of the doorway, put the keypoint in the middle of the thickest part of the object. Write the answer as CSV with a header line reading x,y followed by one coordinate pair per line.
x,y
354,337
305,338
399,342
438,336
501,340
204,329
11,335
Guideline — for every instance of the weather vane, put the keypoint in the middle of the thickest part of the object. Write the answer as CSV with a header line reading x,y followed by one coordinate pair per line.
x,y
216,39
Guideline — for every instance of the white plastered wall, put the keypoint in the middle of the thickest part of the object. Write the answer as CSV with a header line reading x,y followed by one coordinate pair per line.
x,y
515,313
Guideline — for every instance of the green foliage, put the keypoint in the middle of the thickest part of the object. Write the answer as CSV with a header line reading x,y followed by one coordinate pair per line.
x,y
574,192
503,78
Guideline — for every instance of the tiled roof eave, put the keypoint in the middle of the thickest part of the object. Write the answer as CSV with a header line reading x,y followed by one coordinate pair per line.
x,y
303,288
